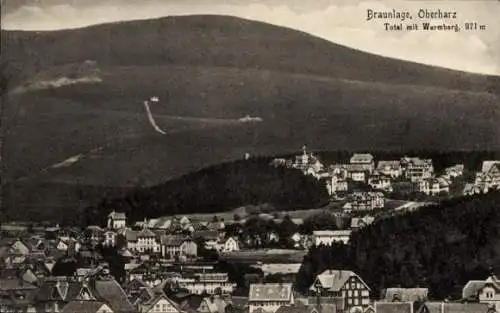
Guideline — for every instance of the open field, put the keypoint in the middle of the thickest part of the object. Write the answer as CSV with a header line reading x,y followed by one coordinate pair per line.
x,y
264,256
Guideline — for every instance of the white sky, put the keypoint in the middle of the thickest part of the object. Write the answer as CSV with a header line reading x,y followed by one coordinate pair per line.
x,y
340,21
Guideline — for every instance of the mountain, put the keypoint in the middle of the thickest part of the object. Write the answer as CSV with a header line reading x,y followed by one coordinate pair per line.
x,y
75,115
438,247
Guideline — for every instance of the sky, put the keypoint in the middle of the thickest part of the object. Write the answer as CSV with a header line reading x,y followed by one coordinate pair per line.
x,y
340,21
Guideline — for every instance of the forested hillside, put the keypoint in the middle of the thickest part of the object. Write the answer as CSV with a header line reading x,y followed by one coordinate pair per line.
x,y
440,247
218,188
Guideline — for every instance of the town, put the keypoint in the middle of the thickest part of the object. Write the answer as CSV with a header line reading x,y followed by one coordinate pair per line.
x,y
186,263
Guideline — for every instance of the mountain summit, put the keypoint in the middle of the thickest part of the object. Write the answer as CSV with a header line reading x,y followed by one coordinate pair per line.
x,y
209,72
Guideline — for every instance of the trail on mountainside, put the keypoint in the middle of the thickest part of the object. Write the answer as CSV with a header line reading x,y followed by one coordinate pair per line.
x,y
151,118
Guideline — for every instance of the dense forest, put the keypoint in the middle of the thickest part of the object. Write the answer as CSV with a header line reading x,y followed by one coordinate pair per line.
x,y
218,188
441,247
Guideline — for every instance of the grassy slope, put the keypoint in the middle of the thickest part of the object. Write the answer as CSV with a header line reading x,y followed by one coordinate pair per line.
x,y
306,89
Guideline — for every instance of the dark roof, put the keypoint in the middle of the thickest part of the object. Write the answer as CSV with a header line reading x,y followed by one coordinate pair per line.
x,y
445,307
82,307
207,234
405,294
110,291
50,290
394,307
15,284
173,240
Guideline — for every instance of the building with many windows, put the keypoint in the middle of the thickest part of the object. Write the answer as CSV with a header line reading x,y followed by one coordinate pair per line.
x,y
269,297
343,284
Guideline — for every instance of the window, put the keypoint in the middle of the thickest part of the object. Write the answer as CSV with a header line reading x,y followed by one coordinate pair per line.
x,y
164,307
355,293
349,293
157,308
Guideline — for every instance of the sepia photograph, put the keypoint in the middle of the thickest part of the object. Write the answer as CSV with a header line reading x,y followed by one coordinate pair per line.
x,y
258,156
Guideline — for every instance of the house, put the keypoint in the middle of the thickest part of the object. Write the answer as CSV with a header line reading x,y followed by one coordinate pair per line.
x,y
229,244
211,283
19,247
130,237
269,297
391,168
364,201
146,241
432,186
62,245
404,294
393,307
342,283
308,163
211,238
357,172
90,306
213,304
328,237
365,160
335,184
117,220
360,222
488,291
109,238
454,171
56,292
473,189
450,307
173,246
159,303
17,295
416,169
380,182
491,171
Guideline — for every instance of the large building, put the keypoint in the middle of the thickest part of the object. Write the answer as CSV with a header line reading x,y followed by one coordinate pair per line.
x,y
269,297
117,220
328,237
343,284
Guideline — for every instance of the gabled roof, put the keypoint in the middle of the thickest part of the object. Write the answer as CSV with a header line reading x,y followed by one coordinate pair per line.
x,y
361,158
471,289
215,304
58,289
270,292
117,215
110,291
394,307
487,165
146,233
12,284
173,240
405,294
207,235
157,297
334,280
83,307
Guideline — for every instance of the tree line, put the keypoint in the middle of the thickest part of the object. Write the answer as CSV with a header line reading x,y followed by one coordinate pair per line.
x,y
440,247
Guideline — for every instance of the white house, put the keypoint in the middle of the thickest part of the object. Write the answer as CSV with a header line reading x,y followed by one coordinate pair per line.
x,y
269,297
210,283
229,244
117,220
328,237
146,241
110,238
390,168
366,160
